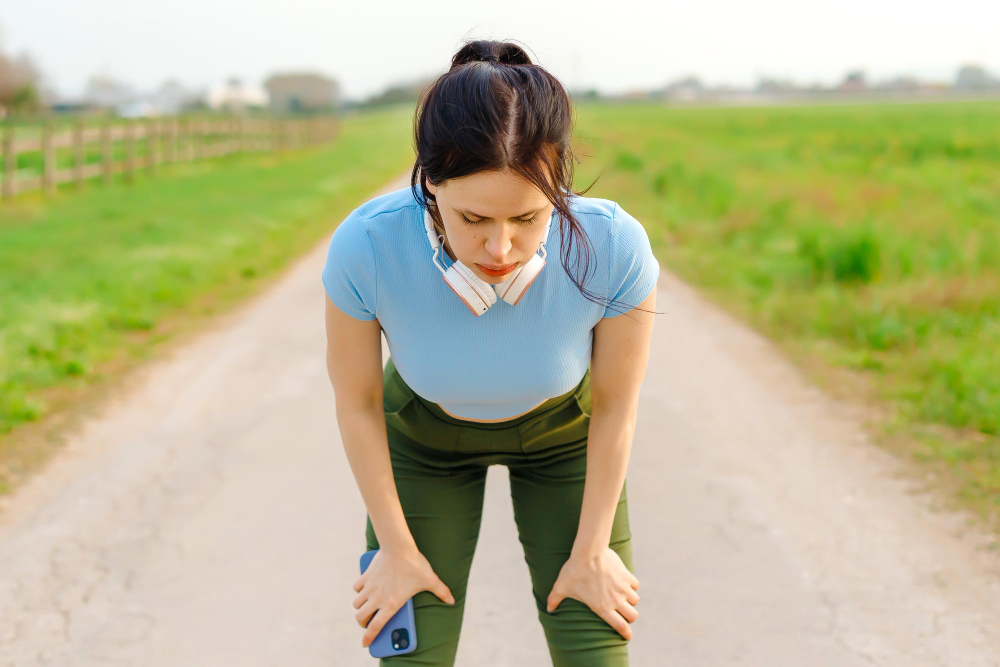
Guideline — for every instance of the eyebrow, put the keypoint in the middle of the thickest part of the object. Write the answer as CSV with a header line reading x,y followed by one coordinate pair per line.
x,y
486,218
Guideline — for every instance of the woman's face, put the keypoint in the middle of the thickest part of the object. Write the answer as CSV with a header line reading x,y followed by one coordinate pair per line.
x,y
507,214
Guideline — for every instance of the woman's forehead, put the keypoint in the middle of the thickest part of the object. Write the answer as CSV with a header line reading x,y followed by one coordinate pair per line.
x,y
495,193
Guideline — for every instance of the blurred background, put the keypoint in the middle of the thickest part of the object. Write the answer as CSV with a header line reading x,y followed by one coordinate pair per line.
x,y
830,174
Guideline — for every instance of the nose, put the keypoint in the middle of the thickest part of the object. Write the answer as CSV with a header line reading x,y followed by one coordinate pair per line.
x,y
498,243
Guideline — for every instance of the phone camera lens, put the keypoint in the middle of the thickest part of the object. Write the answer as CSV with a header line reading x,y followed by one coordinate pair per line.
x,y
400,638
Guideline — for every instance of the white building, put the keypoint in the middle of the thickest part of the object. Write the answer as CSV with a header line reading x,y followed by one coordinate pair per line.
x,y
234,95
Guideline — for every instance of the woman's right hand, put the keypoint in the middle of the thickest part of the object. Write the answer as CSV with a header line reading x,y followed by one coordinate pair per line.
x,y
392,578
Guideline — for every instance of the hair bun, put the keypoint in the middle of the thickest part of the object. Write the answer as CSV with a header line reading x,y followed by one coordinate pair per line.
x,y
488,50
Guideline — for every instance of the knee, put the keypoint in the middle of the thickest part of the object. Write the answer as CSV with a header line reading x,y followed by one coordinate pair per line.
x,y
577,636
438,626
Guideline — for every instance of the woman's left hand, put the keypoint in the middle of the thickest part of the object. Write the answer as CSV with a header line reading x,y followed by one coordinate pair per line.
x,y
603,583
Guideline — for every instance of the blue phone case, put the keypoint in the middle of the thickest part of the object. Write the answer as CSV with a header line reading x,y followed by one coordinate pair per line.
x,y
399,635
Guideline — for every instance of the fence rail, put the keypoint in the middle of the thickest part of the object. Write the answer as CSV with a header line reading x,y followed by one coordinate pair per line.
x,y
161,140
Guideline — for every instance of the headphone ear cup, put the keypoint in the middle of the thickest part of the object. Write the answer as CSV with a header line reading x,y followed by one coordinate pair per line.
x,y
512,289
477,295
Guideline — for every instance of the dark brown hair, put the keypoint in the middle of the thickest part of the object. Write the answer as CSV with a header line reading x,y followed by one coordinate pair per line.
x,y
496,110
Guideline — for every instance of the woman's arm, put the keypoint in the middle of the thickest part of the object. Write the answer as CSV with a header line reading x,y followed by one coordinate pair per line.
x,y
617,368
398,571
354,363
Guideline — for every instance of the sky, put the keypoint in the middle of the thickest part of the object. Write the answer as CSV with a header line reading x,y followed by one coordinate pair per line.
x,y
616,47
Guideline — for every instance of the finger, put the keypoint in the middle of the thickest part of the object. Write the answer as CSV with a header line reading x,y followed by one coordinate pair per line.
x,y
628,612
443,592
364,615
615,620
632,597
554,599
358,584
633,581
360,600
375,626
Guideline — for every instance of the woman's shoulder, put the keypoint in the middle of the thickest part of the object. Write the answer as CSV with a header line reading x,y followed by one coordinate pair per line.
x,y
391,202
380,221
606,220
592,207
374,226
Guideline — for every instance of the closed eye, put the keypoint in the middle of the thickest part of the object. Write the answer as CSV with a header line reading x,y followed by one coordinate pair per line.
x,y
521,220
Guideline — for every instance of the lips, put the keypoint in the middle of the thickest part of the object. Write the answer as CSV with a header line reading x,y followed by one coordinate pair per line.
x,y
496,272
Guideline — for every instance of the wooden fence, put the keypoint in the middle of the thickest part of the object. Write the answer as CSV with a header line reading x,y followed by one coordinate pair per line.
x,y
123,146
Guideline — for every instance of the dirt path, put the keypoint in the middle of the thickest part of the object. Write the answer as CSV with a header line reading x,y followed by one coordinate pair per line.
x,y
210,518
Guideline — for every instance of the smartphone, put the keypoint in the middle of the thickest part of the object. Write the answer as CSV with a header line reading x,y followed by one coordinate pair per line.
x,y
399,635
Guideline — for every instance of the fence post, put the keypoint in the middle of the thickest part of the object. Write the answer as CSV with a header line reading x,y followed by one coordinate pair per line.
x,y
234,139
173,142
199,137
9,162
106,156
152,136
49,159
78,156
169,136
129,149
181,143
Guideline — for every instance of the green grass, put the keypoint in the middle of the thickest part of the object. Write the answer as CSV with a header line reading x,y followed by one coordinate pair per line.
x,y
85,279
865,236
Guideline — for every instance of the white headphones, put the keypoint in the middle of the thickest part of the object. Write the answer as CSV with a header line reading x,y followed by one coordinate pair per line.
x,y
478,295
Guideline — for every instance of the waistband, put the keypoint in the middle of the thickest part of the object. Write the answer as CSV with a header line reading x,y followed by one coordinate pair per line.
x,y
395,382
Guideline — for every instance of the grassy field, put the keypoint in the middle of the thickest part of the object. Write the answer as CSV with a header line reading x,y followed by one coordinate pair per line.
x,y
866,238
89,281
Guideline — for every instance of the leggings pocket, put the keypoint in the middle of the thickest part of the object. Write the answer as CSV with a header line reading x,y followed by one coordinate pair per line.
x,y
406,415
562,425
395,394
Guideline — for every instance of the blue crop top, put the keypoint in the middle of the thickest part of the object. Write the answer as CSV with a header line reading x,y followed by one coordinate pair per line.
x,y
509,359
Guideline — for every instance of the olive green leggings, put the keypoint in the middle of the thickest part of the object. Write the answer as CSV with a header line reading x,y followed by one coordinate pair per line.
x,y
439,465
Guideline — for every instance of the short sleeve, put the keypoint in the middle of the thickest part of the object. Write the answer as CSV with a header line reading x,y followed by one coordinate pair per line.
x,y
349,274
633,269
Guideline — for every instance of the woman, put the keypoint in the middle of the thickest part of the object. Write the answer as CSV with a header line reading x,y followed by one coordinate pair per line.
x,y
500,362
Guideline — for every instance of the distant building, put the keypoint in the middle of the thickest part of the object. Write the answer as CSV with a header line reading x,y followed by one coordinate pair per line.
x,y
396,93
172,97
234,95
302,93
136,109
105,92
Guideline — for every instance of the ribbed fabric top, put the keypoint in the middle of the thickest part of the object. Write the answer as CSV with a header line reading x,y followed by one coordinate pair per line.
x,y
511,358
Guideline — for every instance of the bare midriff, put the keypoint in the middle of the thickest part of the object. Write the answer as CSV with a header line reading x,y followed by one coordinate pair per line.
x,y
487,421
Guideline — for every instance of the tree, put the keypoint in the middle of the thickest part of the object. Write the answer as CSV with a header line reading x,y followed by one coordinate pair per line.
x,y
20,83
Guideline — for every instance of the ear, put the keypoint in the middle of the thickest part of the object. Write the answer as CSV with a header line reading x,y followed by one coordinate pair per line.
x,y
431,188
